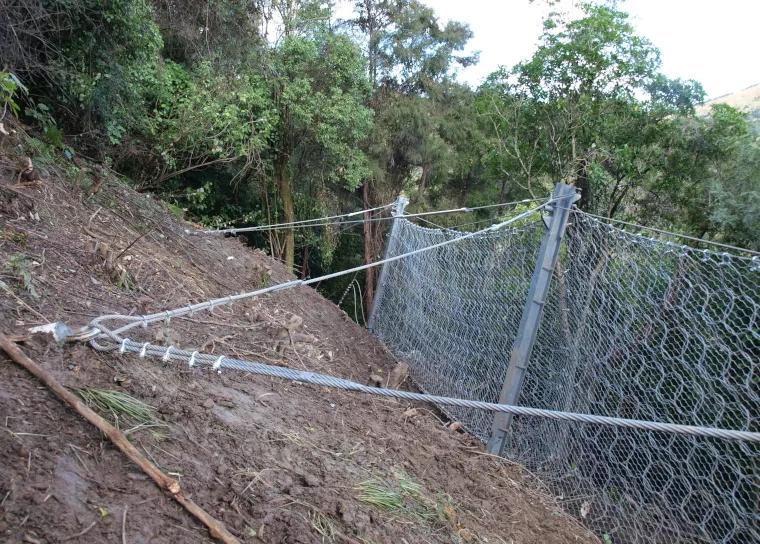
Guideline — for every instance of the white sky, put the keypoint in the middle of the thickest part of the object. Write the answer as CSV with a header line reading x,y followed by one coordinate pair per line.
x,y
716,42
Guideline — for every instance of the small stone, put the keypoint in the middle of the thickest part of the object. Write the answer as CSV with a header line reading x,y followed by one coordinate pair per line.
x,y
466,535
456,426
310,480
294,323
398,375
375,380
208,403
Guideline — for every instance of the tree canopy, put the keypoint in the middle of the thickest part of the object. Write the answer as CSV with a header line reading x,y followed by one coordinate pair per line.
x,y
273,110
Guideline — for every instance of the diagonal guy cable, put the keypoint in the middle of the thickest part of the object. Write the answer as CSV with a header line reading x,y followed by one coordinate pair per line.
x,y
145,320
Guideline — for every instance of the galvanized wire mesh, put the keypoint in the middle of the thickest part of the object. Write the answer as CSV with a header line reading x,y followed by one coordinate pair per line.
x,y
453,313
633,327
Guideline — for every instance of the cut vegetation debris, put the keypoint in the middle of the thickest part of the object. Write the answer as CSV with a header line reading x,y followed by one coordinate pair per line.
x,y
399,495
124,410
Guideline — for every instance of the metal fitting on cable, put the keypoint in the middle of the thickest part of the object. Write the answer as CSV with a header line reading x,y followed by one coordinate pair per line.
x,y
63,333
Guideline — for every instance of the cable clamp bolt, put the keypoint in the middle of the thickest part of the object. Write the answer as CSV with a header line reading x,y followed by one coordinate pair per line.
x,y
217,364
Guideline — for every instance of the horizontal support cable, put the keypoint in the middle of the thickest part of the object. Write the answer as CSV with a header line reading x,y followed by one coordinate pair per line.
x,y
317,221
326,221
216,362
669,233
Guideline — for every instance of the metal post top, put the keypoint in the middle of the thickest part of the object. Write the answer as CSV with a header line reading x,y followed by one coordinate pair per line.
x,y
400,204
564,190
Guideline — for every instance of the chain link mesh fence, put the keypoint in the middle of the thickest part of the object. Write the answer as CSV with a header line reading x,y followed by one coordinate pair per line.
x,y
633,327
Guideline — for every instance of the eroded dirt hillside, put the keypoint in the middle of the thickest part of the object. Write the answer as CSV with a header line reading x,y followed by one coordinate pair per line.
x,y
276,461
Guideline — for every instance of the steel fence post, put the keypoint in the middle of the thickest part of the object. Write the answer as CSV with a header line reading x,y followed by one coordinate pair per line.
x,y
398,211
564,196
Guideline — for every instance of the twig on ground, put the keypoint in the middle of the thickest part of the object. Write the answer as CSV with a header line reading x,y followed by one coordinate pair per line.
x,y
124,525
9,291
80,533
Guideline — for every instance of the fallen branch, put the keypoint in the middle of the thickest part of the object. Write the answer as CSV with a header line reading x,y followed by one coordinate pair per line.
x,y
215,527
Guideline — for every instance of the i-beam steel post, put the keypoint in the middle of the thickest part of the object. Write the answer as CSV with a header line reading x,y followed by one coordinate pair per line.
x,y
398,211
564,196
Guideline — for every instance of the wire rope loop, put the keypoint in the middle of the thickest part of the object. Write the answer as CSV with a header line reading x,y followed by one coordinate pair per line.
x,y
144,350
191,362
123,346
167,353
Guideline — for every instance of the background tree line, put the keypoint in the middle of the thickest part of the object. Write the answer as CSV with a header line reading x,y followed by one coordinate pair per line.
x,y
240,112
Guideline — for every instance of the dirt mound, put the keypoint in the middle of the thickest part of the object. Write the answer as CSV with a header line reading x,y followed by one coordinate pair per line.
x,y
276,461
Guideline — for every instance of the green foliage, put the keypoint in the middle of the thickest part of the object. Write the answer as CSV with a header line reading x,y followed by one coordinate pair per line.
x,y
400,495
591,108
20,266
734,181
109,64
320,90
234,126
10,85
408,50
202,116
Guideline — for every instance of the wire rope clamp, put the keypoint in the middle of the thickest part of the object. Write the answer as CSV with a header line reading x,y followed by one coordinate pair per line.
x,y
217,364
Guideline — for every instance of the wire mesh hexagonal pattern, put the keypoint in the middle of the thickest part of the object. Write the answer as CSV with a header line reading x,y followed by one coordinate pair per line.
x,y
633,327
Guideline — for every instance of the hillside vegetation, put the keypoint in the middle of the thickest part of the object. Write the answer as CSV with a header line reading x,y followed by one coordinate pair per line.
x,y
239,112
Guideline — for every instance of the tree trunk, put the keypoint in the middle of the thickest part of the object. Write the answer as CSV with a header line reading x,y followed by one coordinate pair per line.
x,y
369,249
286,194
305,263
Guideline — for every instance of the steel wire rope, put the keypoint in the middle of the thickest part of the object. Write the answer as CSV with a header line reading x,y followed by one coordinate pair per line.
x,y
217,363
145,320
668,233
325,221
317,220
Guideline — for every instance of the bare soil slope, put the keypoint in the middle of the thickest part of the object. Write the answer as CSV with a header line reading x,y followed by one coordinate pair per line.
x,y
276,461
747,99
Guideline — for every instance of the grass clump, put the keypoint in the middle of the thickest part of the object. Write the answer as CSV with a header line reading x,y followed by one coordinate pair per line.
x,y
124,410
324,526
400,495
